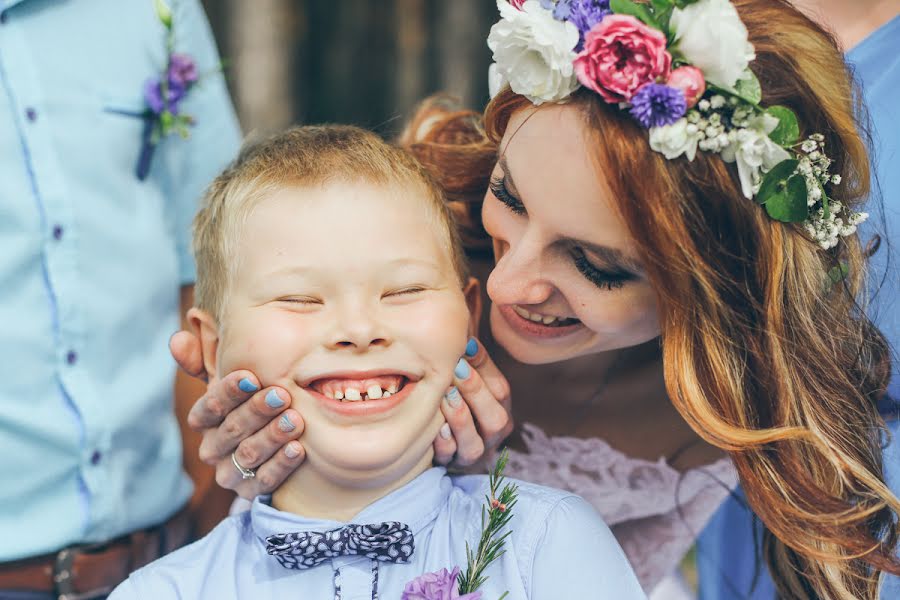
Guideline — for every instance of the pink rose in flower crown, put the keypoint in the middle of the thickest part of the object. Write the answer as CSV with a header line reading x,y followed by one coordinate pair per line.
x,y
620,56
690,81
517,3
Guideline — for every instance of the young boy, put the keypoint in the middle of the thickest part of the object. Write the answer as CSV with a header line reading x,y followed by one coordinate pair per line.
x,y
328,264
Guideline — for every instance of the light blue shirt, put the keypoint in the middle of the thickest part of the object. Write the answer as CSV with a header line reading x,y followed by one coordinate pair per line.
x,y
559,549
91,263
877,63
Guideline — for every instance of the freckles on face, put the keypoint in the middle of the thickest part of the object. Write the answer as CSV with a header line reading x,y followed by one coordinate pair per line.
x,y
567,280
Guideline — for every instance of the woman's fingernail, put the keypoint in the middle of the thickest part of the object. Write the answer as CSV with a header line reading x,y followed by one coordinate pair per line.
x,y
471,347
292,450
445,431
284,424
462,369
273,400
247,386
454,399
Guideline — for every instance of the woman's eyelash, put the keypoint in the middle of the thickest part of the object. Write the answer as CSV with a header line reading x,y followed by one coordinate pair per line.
x,y
611,280
498,188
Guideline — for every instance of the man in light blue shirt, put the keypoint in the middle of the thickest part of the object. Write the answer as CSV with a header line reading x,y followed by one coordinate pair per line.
x,y
93,264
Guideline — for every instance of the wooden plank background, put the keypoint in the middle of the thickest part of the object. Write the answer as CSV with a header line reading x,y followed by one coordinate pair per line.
x,y
365,62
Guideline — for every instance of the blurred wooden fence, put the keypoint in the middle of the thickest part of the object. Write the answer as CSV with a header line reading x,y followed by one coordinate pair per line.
x,y
365,62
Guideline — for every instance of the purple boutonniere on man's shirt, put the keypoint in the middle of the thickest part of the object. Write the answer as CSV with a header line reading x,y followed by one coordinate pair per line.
x,y
164,94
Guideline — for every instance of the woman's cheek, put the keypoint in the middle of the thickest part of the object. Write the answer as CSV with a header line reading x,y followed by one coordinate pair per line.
x,y
631,309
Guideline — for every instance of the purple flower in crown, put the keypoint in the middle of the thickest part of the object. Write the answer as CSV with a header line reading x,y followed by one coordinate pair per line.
x,y
440,585
655,105
584,14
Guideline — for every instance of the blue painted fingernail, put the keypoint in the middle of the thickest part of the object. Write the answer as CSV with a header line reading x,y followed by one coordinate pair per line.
x,y
273,401
453,397
471,347
247,386
462,369
285,424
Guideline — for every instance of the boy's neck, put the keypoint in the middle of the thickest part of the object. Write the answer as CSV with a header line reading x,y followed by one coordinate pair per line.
x,y
313,494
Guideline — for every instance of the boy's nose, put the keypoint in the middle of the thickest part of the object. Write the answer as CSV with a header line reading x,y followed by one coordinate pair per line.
x,y
359,332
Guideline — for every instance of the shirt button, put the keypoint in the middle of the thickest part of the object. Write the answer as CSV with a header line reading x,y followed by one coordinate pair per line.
x,y
71,357
95,458
57,232
31,114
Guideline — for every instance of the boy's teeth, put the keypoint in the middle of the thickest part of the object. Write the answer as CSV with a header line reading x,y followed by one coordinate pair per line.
x,y
374,392
386,394
352,394
392,389
338,395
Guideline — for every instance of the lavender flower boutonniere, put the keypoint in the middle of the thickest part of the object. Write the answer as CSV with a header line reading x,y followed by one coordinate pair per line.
x,y
164,94
495,515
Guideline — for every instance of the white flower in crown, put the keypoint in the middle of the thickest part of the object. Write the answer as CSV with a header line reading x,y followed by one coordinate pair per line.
x,y
533,52
712,37
681,137
754,151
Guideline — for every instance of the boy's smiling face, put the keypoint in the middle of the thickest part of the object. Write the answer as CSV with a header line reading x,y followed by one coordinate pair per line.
x,y
348,290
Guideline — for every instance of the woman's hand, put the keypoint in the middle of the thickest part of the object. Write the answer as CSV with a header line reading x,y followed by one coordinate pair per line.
x,y
477,409
235,415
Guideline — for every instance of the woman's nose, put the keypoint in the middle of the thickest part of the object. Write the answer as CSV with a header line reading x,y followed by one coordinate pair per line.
x,y
518,276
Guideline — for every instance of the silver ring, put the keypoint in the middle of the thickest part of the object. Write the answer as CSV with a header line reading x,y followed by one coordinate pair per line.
x,y
245,473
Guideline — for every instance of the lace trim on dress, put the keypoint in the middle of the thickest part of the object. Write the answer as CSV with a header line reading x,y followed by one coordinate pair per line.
x,y
654,511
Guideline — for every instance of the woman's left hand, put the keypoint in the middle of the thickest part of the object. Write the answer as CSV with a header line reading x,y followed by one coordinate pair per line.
x,y
478,410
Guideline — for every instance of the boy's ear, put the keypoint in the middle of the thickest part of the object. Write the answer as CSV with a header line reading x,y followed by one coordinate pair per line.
x,y
203,325
472,292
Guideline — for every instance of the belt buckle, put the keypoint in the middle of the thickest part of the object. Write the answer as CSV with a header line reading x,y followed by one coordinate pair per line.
x,y
63,578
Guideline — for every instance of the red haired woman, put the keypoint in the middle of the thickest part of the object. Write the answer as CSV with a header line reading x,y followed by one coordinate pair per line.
x,y
674,185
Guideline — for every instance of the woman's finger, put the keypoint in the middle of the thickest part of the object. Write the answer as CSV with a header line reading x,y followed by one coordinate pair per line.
x,y
481,361
492,417
244,421
444,445
221,397
188,353
274,471
469,445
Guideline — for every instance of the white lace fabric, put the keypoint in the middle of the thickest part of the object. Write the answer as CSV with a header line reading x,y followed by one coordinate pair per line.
x,y
654,511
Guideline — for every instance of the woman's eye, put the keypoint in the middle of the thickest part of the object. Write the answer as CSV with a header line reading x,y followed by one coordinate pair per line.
x,y
501,192
601,278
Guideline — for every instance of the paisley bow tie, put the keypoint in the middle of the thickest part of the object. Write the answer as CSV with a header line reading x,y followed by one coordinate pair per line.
x,y
384,542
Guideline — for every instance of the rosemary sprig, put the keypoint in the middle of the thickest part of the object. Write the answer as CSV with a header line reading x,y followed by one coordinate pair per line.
x,y
495,516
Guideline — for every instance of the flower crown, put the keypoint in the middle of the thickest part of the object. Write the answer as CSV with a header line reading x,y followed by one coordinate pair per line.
x,y
681,68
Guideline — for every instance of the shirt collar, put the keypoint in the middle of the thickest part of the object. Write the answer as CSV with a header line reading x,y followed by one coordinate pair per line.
x,y
416,504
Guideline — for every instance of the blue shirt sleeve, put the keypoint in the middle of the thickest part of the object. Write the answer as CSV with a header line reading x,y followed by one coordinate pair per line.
x,y
578,557
189,166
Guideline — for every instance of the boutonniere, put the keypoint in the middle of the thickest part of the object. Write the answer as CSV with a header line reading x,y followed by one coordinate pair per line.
x,y
164,94
495,515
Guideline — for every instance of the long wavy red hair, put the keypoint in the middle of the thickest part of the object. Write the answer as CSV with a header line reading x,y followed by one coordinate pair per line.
x,y
762,357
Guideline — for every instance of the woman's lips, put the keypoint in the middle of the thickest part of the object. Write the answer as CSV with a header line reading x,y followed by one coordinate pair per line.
x,y
532,329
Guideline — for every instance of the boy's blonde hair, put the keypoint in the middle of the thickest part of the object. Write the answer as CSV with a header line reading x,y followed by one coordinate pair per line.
x,y
301,156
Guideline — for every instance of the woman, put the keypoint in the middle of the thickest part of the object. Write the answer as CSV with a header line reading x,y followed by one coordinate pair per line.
x,y
747,328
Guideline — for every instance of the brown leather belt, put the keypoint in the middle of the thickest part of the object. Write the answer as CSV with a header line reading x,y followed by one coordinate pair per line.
x,y
92,570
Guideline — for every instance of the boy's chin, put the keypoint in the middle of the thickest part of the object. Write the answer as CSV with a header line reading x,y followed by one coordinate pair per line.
x,y
354,464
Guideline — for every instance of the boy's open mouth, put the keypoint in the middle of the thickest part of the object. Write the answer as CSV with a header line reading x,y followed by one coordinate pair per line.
x,y
359,390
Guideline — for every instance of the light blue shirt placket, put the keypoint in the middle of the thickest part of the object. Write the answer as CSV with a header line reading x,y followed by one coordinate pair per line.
x,y
59,267
353,578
